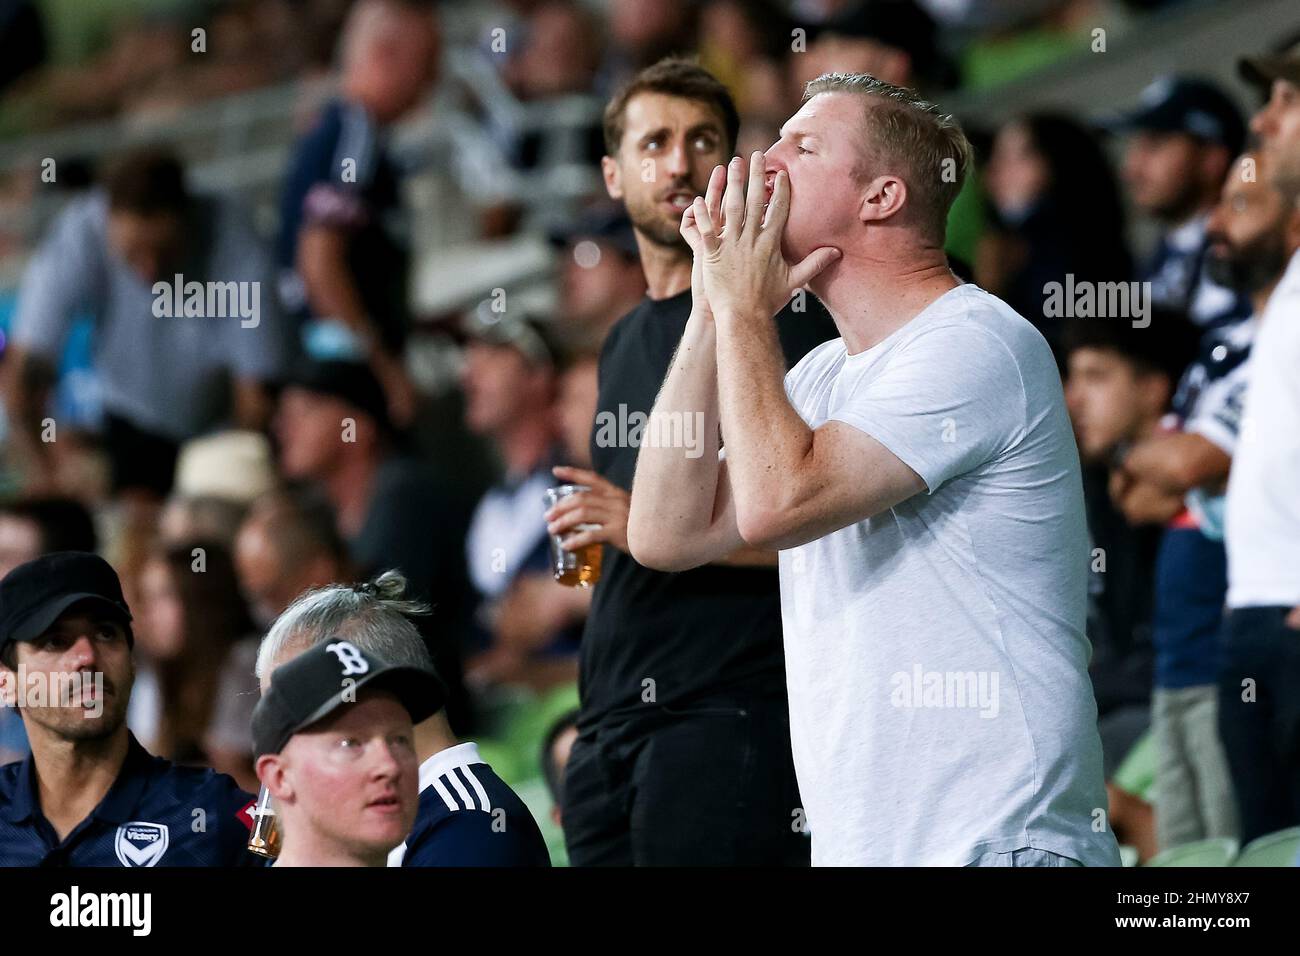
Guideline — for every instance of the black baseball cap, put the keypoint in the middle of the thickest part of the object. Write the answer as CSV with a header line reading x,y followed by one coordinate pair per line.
x,y
35,594
323,678
1284,64
1185,104
348,381
607,224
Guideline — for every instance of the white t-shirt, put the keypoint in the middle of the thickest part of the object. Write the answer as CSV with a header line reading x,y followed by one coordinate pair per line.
x,y
936,658
1263,518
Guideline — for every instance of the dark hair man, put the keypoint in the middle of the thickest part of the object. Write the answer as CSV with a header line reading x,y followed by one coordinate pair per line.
x,y
682,675
89,794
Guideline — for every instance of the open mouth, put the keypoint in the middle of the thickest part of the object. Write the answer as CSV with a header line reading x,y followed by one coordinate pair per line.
x,y
679,199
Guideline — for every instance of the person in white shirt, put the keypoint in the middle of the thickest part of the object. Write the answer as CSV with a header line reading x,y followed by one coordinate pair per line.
x,y
1259,709
920,479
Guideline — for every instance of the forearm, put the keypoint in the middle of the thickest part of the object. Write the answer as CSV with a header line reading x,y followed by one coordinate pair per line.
x,y
1178,463
672,511
331,291
767,442
27,381
1148,503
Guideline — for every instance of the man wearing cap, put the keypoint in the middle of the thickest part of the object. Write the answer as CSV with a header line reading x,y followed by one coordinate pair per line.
x,y
467,815
1182,138
510,380
1259,709
89,794
335,434
334,736
600,272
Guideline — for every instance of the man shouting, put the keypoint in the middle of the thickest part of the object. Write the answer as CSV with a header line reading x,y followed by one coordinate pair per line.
x,y
920,479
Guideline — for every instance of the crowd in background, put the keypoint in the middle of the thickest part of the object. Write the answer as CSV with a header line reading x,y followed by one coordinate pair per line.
x,y
296,447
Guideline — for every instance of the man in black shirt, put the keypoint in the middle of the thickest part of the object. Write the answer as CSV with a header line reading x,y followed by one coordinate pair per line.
x,y
683,755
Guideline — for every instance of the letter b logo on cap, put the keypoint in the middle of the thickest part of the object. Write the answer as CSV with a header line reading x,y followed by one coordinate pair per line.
x,y
349,656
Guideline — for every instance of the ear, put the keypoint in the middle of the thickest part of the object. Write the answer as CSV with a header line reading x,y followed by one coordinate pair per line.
x,y
613,176
271,771
884,197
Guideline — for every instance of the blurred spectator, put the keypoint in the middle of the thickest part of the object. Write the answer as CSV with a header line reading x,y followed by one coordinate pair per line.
x,y
893,40
557,52
1259,709
343,249
1057,213
510,376
556,747
195,689
600,272
287,545
744,43
642,32
334,433
1251,233
169,369
1182,138
32,527
1119,384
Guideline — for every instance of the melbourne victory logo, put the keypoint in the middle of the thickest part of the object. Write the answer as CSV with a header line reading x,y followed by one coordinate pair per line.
x,y
140,844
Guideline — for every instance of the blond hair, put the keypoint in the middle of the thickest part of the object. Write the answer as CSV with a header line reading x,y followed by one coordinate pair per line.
x,y
905,130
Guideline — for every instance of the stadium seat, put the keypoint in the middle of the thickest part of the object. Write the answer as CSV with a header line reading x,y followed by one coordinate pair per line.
x,y
1219,852
1272,849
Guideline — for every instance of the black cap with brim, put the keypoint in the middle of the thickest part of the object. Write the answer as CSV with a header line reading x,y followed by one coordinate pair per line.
x,y
43,617
33,596
350,382
1186,105
319,681
1261,71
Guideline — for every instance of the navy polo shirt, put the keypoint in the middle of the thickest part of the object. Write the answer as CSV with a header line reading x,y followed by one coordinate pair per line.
x,y
468,816
149,817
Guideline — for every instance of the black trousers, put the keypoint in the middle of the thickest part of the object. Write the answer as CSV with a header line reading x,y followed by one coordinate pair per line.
x,y
1262,736
711,784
